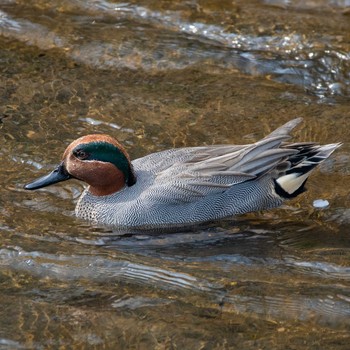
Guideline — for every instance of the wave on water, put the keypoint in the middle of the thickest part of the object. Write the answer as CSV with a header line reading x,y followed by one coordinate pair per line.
x,y
141,38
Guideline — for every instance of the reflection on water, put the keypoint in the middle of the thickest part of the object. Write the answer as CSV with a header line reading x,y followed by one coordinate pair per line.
x,y
318,60
158,75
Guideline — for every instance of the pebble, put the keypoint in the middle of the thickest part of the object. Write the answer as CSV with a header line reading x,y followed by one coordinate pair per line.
x,y
320,203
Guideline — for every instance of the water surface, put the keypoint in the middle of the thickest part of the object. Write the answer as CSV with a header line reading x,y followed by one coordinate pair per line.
x,y
159,74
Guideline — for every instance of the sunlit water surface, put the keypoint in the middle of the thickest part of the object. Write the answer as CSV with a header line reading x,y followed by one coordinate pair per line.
x,y
161,74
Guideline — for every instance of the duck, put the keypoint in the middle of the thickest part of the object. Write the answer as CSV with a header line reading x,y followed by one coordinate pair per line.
x,y
185,186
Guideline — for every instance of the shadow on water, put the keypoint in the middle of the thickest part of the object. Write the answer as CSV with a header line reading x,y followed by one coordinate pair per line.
x,y
158,75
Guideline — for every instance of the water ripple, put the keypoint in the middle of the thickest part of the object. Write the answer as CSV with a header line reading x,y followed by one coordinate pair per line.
x,y
321,269
329,310
313,61
331,306
98,269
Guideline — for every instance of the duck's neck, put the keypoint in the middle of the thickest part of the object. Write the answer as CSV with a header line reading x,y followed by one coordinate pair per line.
x,y
105,190
105,179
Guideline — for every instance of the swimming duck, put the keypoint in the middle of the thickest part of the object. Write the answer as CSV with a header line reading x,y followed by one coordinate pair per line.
x,y
186,185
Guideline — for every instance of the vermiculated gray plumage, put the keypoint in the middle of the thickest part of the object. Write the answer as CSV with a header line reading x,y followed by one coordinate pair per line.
x,y
199,184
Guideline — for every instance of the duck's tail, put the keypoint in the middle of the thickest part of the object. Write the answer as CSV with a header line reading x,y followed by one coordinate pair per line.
x,y
291,182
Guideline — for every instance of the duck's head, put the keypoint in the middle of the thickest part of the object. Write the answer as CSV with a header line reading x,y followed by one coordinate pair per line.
x,y
99,160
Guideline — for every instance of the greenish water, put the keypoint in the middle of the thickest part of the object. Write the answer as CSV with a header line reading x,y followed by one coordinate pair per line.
x,y
157,75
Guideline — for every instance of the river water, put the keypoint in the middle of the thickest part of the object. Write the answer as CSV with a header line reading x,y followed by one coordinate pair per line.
x,y
156,75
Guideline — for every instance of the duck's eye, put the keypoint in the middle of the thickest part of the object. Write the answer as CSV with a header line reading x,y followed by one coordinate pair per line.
x,y
80,154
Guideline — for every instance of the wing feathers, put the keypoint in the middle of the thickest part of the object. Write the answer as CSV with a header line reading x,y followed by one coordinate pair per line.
x,y
200,171
213,169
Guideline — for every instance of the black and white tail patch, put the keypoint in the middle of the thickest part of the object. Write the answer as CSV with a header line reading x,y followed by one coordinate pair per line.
x,y
292,182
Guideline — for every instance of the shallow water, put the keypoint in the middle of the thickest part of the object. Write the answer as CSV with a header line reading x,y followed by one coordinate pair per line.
x,y
158,75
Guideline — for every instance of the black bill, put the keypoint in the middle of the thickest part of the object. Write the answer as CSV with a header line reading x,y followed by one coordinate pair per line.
x,y
58,175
